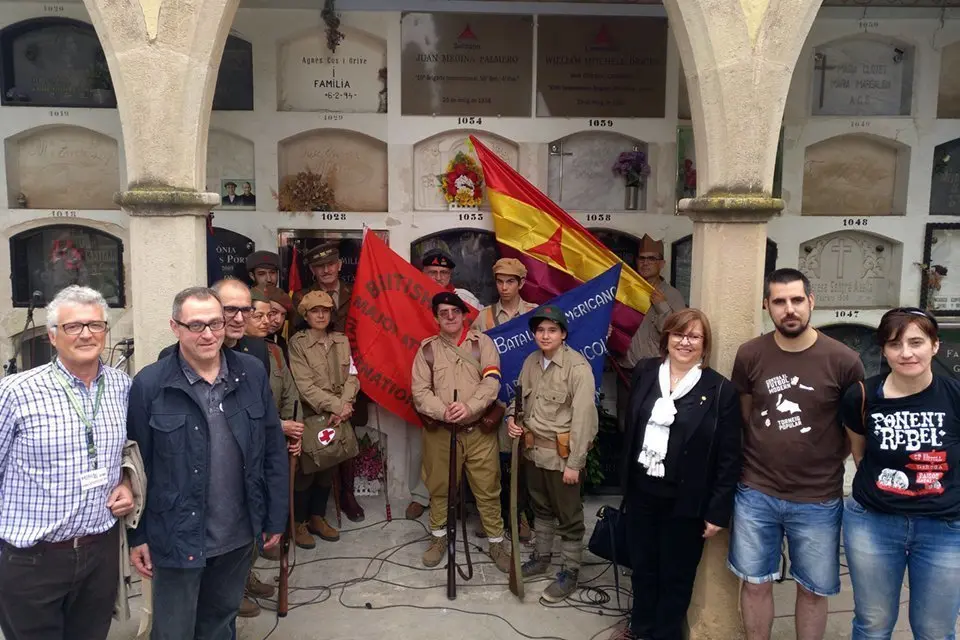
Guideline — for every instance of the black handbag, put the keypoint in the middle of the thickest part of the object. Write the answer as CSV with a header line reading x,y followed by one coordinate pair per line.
x,y
609,540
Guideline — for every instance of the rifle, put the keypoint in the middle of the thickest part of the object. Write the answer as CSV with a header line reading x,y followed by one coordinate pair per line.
x,y
283,588
453,492
516,579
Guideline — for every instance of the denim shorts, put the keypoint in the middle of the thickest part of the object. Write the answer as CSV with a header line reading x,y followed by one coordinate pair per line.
x,y
813,538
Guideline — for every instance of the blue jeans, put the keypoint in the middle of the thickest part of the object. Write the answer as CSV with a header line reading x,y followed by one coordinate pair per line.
x,y
200,603
879,547
813,537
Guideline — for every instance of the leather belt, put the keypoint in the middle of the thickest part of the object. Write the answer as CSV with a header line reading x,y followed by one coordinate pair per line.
x,y
75,543
546,443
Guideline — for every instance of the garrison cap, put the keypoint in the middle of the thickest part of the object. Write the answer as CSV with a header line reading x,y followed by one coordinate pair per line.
x,y
447,297
438,258
548,312
263,259
509,267
278,295
315,299
325,253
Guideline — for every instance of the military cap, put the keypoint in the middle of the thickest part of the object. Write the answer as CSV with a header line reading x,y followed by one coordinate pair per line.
x,y
278,295
548,312
649,245
315,299
258,296
230,184
509,267
263,259
325,253
447,297
438,258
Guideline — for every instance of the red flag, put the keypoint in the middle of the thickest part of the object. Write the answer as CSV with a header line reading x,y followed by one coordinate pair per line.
x,y
390,315
294,283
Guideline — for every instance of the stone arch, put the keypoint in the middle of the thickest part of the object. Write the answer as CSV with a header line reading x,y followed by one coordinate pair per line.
x,y
580,175
681,263
54,62
234,90
230,156
852,269
474,251
354,165
305,75
855,174
62,167
431,155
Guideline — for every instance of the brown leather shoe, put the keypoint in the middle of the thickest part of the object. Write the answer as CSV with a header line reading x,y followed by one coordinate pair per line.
x,y
318,526
258,589
414,511
435,552
302,537
248,609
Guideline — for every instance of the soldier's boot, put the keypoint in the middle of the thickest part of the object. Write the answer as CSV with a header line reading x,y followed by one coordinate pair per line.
x,y
500,555
435,552
566,581
539,562
348,502
303,538
258,589
319,527
248,608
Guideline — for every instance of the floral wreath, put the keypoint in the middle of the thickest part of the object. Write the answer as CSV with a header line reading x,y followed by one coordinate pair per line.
x,y
462,182
65,251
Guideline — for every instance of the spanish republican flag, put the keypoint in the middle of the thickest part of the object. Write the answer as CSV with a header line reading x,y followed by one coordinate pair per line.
x,y
558,252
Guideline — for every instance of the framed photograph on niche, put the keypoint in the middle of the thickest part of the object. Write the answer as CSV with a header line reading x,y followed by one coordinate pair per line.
x,y
238,193
940,285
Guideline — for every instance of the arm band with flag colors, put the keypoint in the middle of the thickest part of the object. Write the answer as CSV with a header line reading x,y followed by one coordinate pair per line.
x,y
492,372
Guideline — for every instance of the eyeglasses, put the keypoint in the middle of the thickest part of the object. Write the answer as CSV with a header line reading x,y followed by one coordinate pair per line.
x,y
450,313
199,327
692,338
649,258
911,311
229,313
76,328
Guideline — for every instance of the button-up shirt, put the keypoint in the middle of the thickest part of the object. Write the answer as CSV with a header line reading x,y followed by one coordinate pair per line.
x,y
43,453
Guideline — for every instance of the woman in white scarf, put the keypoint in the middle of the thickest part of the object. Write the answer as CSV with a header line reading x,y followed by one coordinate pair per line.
x,y
679,474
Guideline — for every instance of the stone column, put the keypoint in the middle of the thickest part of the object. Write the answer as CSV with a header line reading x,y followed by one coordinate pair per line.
x,y
164,56
738,57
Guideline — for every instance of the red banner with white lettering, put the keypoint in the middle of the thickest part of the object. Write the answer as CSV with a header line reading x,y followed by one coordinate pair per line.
x,y
390,315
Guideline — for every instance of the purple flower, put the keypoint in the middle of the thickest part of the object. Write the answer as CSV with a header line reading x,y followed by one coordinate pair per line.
x,y
632,166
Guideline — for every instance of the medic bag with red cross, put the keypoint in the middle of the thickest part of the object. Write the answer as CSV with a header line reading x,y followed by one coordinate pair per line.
x,y
326,445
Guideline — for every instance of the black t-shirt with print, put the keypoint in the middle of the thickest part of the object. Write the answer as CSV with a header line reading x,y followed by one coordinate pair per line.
x,y
910,463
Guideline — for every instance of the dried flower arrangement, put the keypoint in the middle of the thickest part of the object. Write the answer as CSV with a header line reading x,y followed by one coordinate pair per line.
x,y
933,276
305,191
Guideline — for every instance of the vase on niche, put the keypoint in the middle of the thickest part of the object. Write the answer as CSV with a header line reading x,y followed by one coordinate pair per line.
x,y
631,197
453,206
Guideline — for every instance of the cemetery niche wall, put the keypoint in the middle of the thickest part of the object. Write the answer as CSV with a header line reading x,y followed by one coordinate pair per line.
x,y
62,167
945,179
863,75
681,263
863,340
47,259
599,171
234,91
473,251
230,161
948,95
852,270
54,62
855,175
940,284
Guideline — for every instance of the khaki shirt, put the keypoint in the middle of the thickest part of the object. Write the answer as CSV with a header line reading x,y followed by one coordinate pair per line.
x,y
432,393
646,341
494,315
323,371
281,383
557,400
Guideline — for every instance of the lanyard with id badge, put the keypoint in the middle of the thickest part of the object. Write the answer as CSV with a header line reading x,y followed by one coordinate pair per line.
x,y
96,477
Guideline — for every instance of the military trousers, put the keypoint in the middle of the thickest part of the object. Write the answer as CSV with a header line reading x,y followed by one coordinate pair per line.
x,y
311,491
554,501
480,453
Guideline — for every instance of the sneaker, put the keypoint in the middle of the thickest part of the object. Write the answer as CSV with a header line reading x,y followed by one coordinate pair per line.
x,y
303,538
564,585
535,566
414,511
258,589
248,609
435,552
500,556
321,528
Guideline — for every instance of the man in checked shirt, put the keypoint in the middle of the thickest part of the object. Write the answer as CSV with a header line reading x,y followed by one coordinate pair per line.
x,y
62,431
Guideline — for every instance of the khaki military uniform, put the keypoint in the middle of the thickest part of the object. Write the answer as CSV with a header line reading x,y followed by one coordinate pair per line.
x,y
455,369
281,383
321,368
558,399
341,301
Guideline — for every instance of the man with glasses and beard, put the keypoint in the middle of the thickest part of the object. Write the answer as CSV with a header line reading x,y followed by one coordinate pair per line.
x,y
791,382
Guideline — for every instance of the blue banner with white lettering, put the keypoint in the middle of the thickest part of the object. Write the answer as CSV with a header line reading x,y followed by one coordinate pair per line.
x,y
588,309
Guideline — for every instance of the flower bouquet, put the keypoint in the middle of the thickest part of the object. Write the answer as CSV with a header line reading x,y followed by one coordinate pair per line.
x,y
369,467
462,182
305,191
632,166
933,275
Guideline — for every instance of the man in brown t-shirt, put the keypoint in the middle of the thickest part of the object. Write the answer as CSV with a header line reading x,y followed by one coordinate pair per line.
x,y
791,382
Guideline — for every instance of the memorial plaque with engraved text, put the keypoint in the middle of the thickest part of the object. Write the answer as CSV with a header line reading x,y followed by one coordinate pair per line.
x,y
945,181
850,269
232,251
863,76
593,66
466,64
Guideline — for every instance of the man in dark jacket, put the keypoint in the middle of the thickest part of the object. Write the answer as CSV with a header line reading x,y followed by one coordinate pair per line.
x,y
216,464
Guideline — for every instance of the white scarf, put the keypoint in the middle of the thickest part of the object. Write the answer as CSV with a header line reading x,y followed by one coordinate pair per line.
x,y
657,435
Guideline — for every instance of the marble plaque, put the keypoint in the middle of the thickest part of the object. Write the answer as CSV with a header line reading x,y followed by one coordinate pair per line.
x,y
681,263
942,253
354,164
466,64
863,76
580,171
474,252
851,270
430,158
234,90
861,339
54,62
50,258
232,251
63,167
850,175
600,66
352,80
945,181
948,100
230,159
